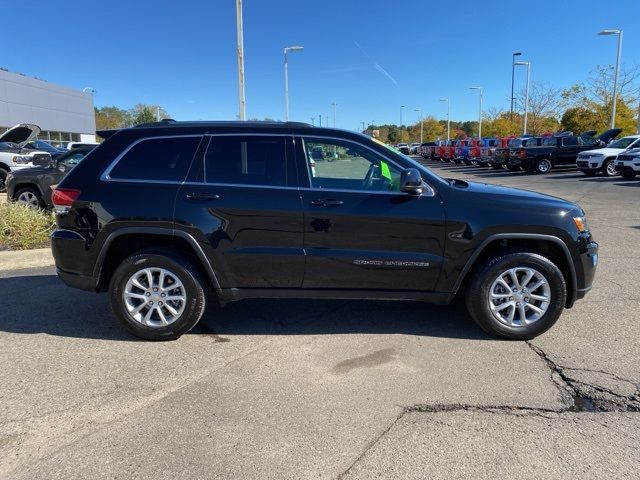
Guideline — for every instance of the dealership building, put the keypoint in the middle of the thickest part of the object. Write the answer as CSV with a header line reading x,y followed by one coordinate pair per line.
x,y
63,114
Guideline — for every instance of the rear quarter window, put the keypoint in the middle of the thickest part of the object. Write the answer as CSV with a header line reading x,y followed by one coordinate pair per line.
x,y
157,159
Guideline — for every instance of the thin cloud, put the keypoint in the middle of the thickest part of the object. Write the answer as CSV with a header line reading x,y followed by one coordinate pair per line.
x,y
376,65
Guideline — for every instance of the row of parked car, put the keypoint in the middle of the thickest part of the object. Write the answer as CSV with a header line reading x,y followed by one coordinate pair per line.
x,y
20,149
589,153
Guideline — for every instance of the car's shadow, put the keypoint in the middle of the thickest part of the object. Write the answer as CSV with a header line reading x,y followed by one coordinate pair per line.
x,y
41,304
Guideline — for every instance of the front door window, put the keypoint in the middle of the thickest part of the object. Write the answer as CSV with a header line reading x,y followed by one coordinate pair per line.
x,y
342,165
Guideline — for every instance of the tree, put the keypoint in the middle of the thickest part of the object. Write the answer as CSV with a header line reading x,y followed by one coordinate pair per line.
x,y
111,117
592,100
498,123
545,107
142,113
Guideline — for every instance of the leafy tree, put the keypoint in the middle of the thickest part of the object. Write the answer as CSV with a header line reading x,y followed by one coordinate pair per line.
x,y
545,107
111,117
142,113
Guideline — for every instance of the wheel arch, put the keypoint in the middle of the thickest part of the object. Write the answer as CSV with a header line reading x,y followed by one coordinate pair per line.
x,y
22,185
549,246
127,241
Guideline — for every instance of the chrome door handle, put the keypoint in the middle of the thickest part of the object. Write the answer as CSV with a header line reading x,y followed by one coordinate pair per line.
x,y
326,202
202,196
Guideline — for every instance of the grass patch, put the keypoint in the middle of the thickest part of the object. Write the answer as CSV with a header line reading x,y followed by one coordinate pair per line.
x,y
22,228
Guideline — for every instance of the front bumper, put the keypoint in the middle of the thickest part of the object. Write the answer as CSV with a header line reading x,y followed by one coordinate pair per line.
x,y
589,262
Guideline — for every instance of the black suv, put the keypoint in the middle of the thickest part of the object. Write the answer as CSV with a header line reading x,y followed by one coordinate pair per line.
x,y
169,216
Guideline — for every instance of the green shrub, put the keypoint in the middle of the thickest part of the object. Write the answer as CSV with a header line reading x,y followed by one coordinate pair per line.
x,y
22,228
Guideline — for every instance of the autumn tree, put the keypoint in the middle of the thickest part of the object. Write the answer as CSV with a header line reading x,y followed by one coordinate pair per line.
x,y
111,117
545,107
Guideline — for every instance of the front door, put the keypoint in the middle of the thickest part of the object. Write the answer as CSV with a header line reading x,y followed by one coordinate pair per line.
x,y
360,231
241,202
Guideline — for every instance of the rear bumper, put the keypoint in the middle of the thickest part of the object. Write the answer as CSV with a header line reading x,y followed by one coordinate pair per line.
x,y
75,280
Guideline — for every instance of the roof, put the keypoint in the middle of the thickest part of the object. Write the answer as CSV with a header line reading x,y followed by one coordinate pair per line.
x,y
169,123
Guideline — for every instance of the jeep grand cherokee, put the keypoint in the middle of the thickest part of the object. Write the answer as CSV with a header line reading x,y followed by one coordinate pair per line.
x,y
170,216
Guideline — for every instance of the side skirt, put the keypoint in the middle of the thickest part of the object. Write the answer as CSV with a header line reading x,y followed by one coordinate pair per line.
x,y
227,295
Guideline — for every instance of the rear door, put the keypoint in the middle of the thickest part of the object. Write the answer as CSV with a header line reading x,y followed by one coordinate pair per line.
x,y
360,232
241,203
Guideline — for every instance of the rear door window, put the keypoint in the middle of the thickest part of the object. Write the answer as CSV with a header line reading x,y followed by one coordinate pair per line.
x,y
165,159
246,160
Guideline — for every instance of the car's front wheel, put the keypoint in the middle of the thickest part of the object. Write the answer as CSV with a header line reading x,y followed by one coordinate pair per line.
x,y
609,168
517,295
157,296
30,197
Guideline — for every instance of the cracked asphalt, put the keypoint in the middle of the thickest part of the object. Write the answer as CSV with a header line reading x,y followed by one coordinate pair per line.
x,y
331,389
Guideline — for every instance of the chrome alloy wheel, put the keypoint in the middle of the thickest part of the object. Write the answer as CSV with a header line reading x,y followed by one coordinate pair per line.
x,y
611,169
154,297
519,296
28,199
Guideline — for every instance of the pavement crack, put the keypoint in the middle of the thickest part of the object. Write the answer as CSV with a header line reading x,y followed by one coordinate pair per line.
x,y
586,396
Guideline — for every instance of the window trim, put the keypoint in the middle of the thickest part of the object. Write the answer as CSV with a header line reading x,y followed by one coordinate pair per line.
x,y
106,175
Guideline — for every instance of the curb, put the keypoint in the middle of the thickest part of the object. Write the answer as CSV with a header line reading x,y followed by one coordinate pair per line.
x,y
19,259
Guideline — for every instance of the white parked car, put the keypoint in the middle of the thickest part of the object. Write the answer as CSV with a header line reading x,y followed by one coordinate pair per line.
x,y
604,159
413,148
628,163
14,155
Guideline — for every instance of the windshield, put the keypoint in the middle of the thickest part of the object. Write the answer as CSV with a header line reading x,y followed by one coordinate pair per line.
x,y
42,145
623,142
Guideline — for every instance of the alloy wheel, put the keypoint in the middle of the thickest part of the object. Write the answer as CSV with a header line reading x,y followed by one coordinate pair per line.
x,y
154,297
29,199
519,296
610,169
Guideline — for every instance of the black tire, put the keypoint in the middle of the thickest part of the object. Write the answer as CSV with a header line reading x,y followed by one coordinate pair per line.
x,y
609,169
37,203
194,290
590,172
542,165
3,179
482,278
628,174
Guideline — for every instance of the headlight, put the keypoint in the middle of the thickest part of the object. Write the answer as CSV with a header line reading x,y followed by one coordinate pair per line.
x,y
20,160
581,224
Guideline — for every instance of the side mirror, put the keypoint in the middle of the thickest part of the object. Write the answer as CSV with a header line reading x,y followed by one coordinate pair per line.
x,y
411,182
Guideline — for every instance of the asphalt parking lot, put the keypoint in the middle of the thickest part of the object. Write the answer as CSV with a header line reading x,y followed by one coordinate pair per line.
x,y
332,389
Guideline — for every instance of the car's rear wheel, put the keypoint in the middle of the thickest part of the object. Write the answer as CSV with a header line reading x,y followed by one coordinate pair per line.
x,y
628,174
543,165
609,168
30,197
157,296
517,295
590,172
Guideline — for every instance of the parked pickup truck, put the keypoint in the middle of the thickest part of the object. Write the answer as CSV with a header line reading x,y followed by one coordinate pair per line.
x,y
562,150
628,163
516,150
488,149
462,150
426,150
501,154
604,159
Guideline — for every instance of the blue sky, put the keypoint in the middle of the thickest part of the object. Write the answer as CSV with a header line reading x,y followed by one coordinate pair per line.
x,y
369,57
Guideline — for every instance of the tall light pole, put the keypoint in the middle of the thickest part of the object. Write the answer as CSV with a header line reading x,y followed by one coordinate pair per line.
x,y
448,118
526,93
294,48
313,121
242,104
615,77
513,74
479,89
363,127
334,105
419,110
401,107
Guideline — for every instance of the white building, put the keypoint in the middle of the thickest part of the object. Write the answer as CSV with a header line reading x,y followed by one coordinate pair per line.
x,y
63,114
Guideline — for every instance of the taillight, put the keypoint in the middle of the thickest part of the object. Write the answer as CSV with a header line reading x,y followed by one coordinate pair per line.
x,y
63,198
523,153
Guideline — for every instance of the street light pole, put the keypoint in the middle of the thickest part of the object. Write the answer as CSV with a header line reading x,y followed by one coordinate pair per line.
x,y
334,105
513,73
612,123
480,113
240,54
526,93
363,128
448,118
286,79
401,107
419,110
